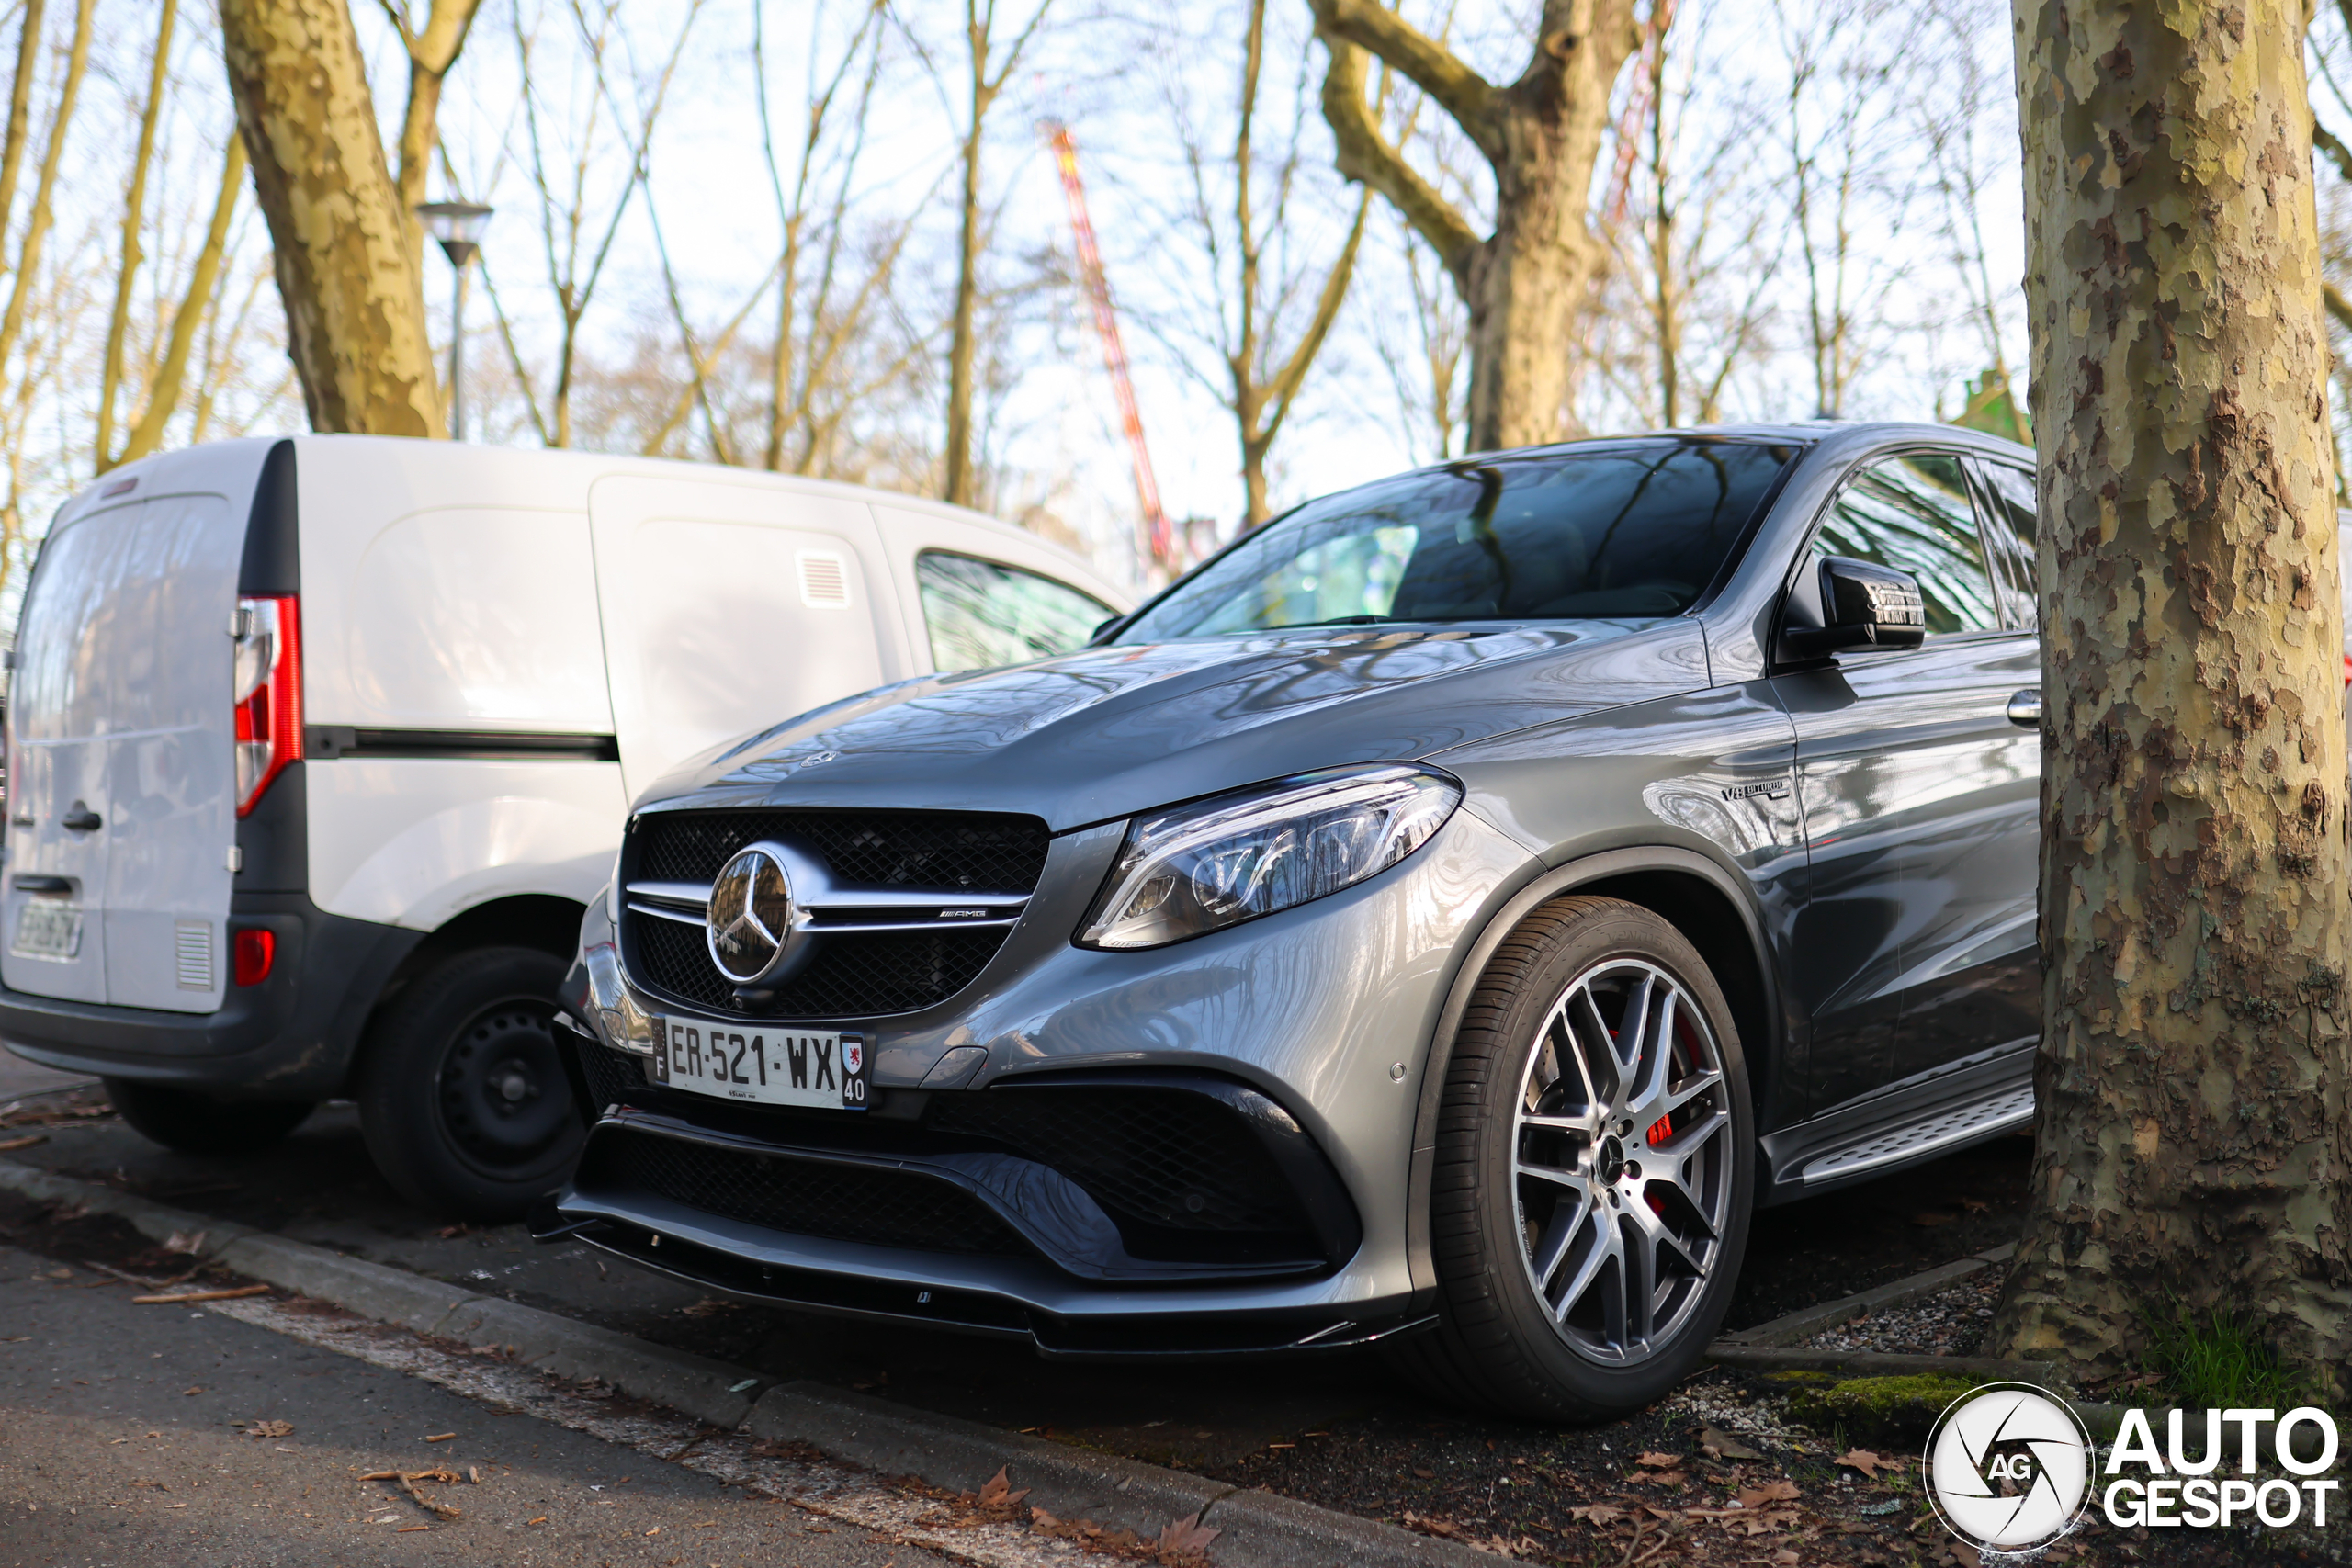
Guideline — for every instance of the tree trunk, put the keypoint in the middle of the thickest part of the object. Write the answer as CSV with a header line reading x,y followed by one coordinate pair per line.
x,y
961,348
355,312
1525,284
2193,1074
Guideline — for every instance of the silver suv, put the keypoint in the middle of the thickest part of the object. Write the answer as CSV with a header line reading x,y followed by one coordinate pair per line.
x,y
1438,921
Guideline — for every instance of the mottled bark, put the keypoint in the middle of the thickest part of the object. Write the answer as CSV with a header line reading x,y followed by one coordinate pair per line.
x,y
355,311
1525,282
2193,1074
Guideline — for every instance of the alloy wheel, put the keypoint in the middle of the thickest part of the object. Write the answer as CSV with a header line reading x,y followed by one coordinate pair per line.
x,y
1622,1160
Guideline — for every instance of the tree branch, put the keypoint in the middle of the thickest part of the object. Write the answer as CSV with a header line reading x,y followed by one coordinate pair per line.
x,y
1469,97
147,436
2325,141
1366,156
2338,305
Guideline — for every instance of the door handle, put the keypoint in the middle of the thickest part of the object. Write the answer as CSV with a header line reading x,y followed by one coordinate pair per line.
x,y
2025,707
81,820
42,884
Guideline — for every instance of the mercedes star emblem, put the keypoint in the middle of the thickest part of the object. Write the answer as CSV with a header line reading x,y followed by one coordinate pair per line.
x,y
749,921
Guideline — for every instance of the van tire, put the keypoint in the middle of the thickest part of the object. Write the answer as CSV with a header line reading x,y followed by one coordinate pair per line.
x,y
191,1123
463,1097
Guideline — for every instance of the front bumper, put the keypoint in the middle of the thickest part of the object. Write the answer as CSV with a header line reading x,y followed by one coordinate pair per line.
x,y
1311,1027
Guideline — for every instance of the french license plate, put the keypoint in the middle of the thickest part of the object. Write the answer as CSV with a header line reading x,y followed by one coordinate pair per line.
x,y
764,1067
46,928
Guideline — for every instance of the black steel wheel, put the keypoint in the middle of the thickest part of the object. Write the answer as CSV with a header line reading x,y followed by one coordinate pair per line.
x,y
462,1096
1594,1173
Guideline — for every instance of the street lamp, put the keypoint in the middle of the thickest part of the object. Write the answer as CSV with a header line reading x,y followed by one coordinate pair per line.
x,y
458,226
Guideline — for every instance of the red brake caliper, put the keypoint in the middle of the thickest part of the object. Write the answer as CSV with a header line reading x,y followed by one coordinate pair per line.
x,y
1660,1130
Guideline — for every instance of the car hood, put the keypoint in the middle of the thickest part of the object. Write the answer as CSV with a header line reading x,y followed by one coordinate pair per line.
x,y
1106,732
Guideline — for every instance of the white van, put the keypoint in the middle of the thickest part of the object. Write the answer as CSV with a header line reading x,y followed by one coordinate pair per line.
x,y
317,748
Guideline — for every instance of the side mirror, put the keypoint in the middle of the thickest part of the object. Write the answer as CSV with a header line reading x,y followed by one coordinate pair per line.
x,y
1855,604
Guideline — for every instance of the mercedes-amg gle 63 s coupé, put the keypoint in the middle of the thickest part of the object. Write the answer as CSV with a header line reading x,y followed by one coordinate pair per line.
x,y
1437,920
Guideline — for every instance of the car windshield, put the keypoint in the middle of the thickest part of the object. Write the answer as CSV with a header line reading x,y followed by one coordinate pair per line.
x,y
1620,530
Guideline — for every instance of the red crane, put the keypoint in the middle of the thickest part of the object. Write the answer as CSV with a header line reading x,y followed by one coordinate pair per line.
x,y
1159,536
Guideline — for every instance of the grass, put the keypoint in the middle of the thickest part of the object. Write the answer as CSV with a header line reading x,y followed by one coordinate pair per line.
x,y
2215,1359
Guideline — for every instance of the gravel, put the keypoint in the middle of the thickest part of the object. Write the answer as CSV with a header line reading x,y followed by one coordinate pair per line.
x,y
1951,1322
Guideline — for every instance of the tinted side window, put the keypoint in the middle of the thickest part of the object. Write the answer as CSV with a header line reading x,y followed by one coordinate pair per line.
x,y
2009,520
1912,513
981,613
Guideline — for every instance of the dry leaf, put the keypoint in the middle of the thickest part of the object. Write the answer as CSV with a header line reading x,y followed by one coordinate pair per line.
x,y
1659,1462
1723,1445
270,1430
998,1492
1869,1463
1428,1526
1596,1514
1425,1474
1186,1537
1770,1492
182,1241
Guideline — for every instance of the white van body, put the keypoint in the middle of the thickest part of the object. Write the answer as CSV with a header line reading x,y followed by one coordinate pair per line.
x,y
497,650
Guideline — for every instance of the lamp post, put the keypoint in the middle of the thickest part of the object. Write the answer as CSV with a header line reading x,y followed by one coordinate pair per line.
x,y
458,225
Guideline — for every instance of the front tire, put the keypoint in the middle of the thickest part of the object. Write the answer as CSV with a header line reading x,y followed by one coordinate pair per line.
x,y
463,1097
1594,1173
191,1123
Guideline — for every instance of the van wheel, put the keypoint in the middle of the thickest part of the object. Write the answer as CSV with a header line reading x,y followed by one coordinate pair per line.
x,y
192,1124
463,1097
1595,1168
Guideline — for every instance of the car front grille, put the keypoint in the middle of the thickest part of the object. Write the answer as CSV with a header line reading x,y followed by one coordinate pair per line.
x,y
837,1202
865,974
1167,1158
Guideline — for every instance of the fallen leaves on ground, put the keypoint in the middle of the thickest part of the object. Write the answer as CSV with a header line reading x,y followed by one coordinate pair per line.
x,y
1185,1536
1718,1444
1869,1463
996,1503
1770,1492
184,1241
270,1430
1659,1462
1596,1513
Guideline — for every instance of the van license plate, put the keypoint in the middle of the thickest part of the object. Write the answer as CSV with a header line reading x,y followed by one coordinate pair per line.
x,y
764,1066
46,928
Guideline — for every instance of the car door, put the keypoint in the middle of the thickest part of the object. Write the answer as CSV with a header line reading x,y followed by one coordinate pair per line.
x,y
1918,795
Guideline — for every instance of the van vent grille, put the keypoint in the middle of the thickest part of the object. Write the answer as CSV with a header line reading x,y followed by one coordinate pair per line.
x,y
824,580
192,954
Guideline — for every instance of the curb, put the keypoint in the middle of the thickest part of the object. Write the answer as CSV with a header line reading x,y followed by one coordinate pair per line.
x,y
1260,1529
1806,1322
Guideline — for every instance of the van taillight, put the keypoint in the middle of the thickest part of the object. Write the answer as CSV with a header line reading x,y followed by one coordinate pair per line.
x,y
251,952
269,693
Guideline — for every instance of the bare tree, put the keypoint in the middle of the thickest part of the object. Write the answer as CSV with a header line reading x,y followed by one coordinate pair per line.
x,y
432,48
348,278
1261,301
1526,282
563,155
38,220
2194,1086
134,214
195,306
988,64
1840,72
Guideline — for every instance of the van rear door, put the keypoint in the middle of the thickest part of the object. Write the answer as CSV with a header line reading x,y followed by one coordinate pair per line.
x,y
170,819
121,816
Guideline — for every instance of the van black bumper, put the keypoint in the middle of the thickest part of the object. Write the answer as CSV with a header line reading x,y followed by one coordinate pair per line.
x,y
291,1037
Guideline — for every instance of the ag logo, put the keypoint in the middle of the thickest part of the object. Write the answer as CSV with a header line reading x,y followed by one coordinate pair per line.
x,y
2008,1467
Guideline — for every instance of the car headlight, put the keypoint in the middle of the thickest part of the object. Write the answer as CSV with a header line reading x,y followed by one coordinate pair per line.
x,y
1235,857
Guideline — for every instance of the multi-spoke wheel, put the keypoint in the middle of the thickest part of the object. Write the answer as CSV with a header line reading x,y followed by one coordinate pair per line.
x,y
1595,1158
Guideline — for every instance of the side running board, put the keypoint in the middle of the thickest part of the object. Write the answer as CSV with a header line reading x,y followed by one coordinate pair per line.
x,y
1950,1126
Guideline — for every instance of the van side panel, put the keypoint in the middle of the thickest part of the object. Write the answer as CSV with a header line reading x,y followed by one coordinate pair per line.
x,y
412,842
728,607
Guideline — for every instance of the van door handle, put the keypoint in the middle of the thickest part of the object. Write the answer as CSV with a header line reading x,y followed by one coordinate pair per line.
x,y
81,820
42,884
2025,707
